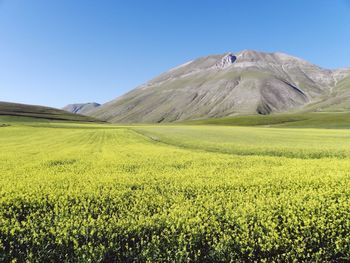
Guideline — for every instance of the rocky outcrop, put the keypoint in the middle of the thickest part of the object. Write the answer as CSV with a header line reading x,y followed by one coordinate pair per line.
x,y
226,61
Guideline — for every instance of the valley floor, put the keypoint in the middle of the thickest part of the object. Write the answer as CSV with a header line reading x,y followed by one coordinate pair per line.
x,y
105,193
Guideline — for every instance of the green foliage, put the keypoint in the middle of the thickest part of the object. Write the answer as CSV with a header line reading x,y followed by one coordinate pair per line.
x,y
96,193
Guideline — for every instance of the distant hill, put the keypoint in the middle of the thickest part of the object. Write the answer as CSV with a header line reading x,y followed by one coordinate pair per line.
x,y
245,83
16,109
81,108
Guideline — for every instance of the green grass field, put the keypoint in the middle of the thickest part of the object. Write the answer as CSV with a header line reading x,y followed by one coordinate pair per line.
x,y
325,120
106,193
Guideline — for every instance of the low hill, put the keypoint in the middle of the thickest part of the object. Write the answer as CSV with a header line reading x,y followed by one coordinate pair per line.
x,y
35,111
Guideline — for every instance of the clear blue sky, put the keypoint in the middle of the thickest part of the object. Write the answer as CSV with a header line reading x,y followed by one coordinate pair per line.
x,y
55,52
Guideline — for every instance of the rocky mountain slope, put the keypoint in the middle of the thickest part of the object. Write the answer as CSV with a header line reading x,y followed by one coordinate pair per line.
x,y
245,83
81,108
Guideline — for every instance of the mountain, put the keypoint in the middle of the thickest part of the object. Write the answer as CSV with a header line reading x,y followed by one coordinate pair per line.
x,y
81,108
41,112
245,83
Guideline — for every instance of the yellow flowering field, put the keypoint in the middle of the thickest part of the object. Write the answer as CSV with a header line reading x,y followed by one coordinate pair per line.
x,y
103,193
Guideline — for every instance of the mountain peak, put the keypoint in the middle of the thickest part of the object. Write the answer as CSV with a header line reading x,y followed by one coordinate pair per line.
x,y
250,55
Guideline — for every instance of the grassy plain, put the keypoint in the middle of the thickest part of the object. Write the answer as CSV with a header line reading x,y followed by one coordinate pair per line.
x,y
104,193
324,120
